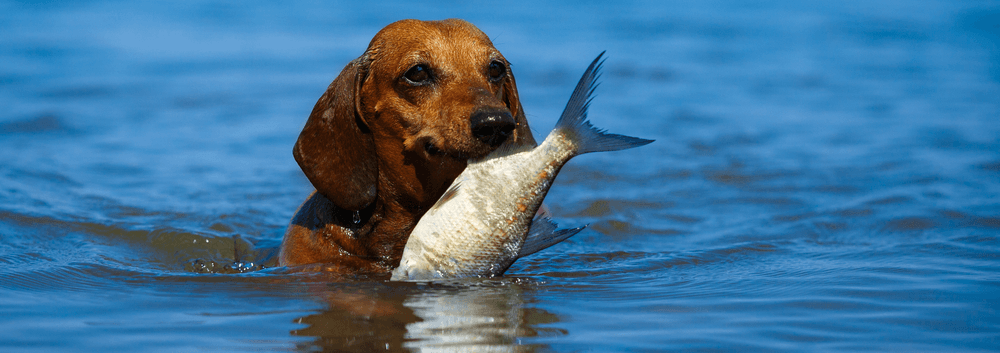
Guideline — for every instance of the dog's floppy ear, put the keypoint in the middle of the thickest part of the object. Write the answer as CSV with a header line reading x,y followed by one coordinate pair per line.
x,y
335,149
513,102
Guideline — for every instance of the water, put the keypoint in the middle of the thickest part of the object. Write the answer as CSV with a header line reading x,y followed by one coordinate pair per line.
x,y
825,178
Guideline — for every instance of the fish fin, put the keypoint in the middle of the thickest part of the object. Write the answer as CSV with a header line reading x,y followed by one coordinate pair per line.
x,y
448,194
574,121
544,234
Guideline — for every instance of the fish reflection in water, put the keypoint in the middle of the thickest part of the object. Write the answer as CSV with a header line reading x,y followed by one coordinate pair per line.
x,y
468,314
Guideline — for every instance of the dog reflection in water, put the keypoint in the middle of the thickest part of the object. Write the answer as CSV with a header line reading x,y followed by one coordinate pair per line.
x,y
470,314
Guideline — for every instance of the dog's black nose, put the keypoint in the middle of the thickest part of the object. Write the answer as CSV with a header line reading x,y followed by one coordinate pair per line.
x,y
492,126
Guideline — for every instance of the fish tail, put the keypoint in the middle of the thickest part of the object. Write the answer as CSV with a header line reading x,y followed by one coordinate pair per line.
x,y
575,125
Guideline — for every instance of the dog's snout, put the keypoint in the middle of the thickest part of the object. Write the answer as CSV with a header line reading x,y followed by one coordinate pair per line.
x,y
492,126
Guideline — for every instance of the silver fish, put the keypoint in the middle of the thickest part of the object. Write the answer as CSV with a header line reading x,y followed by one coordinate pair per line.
x,y
480,225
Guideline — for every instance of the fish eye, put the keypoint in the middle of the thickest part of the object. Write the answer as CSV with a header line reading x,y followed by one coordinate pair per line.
x,y
417,75
497,70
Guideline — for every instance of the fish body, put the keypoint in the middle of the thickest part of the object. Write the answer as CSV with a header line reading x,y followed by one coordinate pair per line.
x,y
481,224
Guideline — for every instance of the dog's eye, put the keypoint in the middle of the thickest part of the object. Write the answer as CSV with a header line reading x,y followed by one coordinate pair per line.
x,y
497,71
418,74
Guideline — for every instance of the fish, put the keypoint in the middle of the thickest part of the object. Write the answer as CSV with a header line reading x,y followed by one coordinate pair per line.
x,y
486,219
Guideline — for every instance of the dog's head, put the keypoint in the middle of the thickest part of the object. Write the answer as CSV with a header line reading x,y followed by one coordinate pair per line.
x,y
423,99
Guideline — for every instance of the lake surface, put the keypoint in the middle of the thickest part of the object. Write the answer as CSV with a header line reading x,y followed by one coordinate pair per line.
x,y
826,177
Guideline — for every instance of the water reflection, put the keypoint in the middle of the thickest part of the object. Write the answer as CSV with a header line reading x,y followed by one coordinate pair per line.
x,y
476,315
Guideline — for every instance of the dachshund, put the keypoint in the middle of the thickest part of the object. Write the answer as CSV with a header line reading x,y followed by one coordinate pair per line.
x,y
389,136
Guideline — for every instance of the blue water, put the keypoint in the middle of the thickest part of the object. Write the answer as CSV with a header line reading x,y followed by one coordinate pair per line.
x,y
826,177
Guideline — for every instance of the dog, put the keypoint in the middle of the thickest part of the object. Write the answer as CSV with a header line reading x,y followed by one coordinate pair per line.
x,y
389,136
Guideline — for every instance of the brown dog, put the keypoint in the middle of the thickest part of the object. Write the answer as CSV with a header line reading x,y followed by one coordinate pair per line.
x,y
390,135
